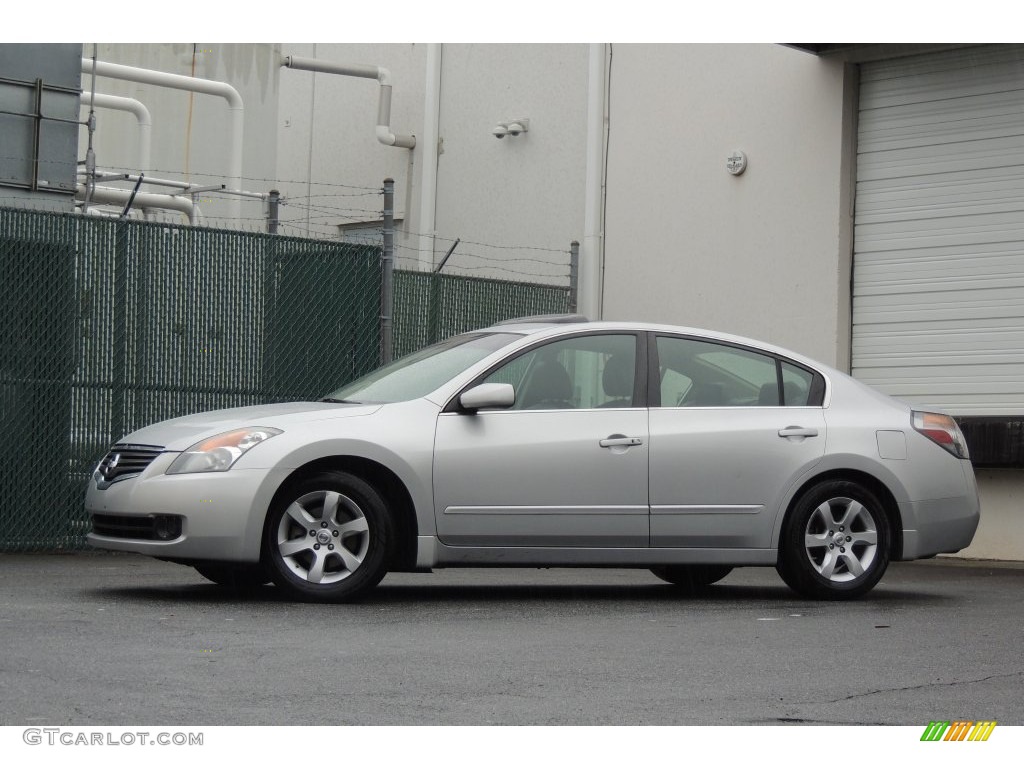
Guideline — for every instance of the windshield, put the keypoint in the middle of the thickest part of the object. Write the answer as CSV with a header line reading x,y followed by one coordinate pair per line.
x,y
421,372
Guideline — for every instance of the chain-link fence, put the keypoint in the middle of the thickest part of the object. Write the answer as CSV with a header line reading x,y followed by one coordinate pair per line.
x,y
108,325
430,307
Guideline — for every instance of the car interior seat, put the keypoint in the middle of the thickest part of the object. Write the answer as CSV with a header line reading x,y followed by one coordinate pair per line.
x,y
793,393
769,394
706,394
617,381
550,387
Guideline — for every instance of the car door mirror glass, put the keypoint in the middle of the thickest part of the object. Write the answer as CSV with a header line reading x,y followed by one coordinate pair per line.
x,y
488,396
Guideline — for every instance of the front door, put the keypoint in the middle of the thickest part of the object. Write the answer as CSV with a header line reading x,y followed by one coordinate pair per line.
x,y
566,466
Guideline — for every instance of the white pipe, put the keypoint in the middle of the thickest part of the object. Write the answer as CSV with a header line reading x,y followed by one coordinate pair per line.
x,y
427,223
182,185
142,116
380,74
101,213
196,85
144,200
592,246
90,152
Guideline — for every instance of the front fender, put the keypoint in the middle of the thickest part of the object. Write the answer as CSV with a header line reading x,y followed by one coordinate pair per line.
x,y
399,437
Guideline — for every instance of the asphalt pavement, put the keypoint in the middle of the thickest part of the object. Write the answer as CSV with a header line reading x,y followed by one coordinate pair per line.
x,y
97,638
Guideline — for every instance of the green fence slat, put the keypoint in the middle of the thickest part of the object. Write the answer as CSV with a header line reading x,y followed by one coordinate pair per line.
x,y
109,325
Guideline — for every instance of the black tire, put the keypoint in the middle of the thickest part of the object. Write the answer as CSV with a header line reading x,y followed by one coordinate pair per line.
x,y
835,542
328,538
691,577
240,578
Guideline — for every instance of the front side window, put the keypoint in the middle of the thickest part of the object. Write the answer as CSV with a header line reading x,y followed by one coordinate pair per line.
x,y
581,372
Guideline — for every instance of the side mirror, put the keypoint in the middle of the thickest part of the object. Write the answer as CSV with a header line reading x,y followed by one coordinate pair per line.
x,y
488,396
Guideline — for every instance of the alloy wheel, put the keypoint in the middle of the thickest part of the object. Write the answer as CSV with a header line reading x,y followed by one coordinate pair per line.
x,y
841,539
323,537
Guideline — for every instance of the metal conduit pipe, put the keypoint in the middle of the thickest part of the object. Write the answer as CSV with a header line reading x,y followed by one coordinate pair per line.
x,y
591,268
428,158
113,196
142,116
380,74
196,85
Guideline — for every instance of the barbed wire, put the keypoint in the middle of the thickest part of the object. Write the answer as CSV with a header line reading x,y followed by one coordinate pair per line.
x,y
297,200
336,194
492,245
328,211
271,182
413,233
360,190
458,253
517,266
518,272
314,216
326,216
405,257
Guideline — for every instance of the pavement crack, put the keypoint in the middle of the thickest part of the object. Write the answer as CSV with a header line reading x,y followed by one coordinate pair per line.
x,y
920,687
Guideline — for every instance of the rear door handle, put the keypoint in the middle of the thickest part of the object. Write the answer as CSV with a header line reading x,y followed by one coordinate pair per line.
x,y
798,432
611,442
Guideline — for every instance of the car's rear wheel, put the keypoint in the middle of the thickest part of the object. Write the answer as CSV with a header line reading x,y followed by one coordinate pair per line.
x,y
835,543
691,577
327,538
240,578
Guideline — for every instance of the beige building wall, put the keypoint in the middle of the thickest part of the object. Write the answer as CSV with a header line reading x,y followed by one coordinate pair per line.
x,y
516,202
762,254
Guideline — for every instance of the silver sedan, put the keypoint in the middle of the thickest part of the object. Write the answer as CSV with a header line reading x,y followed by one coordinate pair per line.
x,y
551,442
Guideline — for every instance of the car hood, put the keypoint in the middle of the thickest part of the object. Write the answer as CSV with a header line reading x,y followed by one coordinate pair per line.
x,y
181,433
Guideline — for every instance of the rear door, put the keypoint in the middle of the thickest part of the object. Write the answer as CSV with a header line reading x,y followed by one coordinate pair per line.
x,y
731,428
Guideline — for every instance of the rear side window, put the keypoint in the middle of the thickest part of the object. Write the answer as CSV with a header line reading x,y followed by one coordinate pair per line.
x,y
797,385
718,376
702,374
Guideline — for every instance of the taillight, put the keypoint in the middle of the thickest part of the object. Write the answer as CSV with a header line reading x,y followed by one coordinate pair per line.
x,y
942,430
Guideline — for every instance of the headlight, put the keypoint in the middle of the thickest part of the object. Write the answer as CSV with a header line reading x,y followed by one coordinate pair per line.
x,y
220,452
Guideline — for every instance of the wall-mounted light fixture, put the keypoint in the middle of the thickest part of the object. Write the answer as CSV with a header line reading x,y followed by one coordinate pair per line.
x,y
511,128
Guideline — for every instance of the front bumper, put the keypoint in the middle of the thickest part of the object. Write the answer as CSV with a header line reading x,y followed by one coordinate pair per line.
x,y
221,513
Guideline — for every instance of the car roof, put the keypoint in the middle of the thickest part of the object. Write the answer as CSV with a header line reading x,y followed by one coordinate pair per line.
x,y
537,322
553,325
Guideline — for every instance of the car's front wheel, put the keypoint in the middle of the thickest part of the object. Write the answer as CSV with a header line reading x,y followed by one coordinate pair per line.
x,y
835,543
327,538
691,577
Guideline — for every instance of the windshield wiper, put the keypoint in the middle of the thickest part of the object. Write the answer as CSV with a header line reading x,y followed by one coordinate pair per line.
x,y
335,400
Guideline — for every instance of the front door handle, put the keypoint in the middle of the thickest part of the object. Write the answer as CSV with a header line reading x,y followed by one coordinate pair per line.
x,y
615,440
798,432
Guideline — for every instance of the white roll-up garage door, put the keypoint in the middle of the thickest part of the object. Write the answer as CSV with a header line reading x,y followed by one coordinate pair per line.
x,y
938,277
